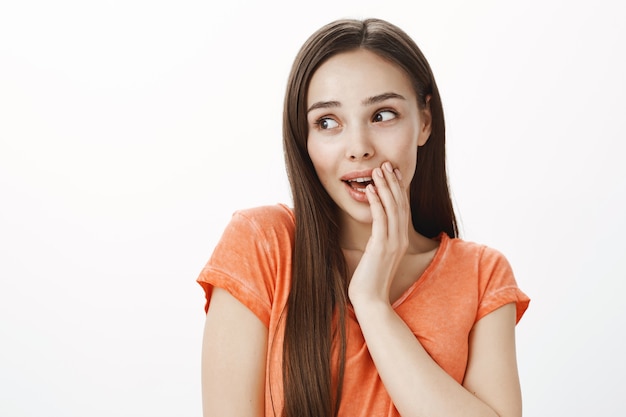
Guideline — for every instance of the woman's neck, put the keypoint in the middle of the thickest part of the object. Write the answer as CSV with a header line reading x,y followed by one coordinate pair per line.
x,y
354,235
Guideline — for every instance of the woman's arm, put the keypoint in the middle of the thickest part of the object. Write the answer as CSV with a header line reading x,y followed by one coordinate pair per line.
x,y
491,372
418,386
233,359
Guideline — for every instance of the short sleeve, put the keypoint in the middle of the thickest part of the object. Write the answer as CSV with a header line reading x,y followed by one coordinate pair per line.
x,y
247,259
497,285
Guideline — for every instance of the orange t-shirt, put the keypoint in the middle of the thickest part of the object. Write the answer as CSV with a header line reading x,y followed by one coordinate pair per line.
x,y
463,283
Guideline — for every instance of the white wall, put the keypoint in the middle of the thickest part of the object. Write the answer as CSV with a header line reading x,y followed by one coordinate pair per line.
x,y
130,131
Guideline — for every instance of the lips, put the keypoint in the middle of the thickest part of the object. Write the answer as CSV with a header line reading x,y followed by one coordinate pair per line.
x,y
360,183
356,182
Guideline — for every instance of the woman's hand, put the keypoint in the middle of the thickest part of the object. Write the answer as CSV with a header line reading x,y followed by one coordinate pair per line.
x,y
416,384
389,241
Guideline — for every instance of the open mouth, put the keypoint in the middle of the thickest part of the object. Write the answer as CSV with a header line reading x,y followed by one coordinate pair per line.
x,y
359,184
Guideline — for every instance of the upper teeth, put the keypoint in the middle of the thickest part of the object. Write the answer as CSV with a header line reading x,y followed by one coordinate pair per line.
x,y
362,179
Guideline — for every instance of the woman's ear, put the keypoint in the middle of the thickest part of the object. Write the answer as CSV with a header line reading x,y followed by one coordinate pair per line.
x,y
426,123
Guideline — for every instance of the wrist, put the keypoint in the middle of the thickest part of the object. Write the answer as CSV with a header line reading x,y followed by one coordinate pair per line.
x,y
364,304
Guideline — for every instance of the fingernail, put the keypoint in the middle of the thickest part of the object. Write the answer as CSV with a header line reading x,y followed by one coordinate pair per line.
x,y
398,174
388,167
378,172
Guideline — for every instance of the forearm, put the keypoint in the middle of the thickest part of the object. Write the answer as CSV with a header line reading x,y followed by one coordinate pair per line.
x,y
417,385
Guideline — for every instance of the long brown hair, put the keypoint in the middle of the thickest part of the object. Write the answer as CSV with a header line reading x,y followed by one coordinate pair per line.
x,y
313,334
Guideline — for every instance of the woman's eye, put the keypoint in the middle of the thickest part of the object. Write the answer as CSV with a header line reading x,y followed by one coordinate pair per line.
x,y
327,123
383,116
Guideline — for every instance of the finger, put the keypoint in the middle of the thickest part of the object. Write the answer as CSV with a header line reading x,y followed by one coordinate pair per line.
x,y
379,217
397,207
393,177
396,185
380,177
390,193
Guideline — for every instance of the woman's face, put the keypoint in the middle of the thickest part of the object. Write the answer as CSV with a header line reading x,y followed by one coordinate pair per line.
x,y
362,111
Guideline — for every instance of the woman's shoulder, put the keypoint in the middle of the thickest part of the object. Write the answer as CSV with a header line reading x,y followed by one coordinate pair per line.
x,y
470,253
276,218
490,270
460,246
268,214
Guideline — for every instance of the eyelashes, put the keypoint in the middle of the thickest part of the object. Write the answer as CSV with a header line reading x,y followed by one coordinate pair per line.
x,y
381,116
325,123
384,116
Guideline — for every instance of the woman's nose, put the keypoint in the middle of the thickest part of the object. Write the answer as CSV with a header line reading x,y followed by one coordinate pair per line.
x,y
359,145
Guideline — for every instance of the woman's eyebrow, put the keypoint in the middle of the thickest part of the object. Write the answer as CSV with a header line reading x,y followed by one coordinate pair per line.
x,y
381,97
324,105
367,102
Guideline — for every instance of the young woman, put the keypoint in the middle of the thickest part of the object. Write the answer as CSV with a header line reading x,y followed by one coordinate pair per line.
x,y
361,300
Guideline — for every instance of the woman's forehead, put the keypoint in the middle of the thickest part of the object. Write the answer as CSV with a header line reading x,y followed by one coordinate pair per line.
x,y
355,76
